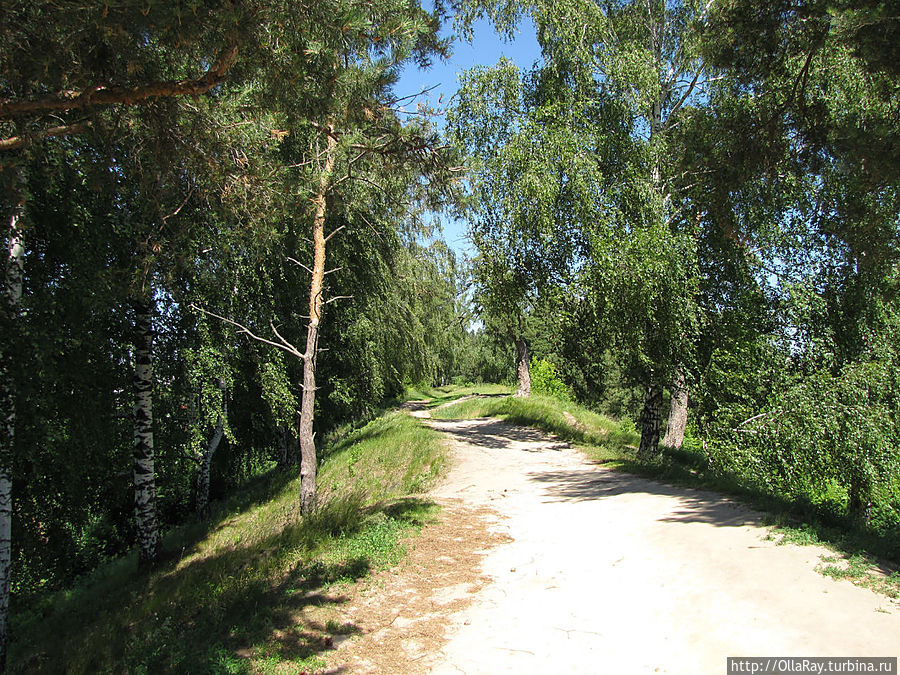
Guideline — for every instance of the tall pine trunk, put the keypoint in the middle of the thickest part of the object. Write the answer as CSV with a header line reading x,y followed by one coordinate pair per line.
x,y
316,303
651,421
523,375
145,518
12,294
206,460
678,412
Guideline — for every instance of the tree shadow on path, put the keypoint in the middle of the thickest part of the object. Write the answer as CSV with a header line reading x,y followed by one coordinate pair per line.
x,y
498,435
691,506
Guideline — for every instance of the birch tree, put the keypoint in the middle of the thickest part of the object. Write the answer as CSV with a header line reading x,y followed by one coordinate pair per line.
x,y
635,67
531,183
13,275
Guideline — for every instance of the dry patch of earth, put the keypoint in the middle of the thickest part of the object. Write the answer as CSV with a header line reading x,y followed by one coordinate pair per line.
x,y
403,613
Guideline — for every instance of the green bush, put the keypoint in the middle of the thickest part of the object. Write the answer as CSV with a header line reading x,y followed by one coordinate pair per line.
x,y
545,380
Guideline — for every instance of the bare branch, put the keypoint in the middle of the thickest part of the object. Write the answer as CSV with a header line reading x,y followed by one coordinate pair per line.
x,y
300,264
412,96
285,342
337,297
286,346
684,98
773,413
334,232
178,210
336,269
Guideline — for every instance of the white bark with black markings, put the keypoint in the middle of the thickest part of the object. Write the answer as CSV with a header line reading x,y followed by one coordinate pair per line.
x,y
12,294
651,422
145,518
206,459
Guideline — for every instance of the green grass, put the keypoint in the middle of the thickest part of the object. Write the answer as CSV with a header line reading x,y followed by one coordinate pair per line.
x,y
437,396
853,547
614,444
247,591
858,568
602,438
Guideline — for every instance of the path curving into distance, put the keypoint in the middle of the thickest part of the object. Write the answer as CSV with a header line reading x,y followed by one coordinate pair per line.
x,y
610,573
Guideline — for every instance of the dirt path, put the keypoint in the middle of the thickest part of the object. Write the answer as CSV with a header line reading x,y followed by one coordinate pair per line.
x,y
602,572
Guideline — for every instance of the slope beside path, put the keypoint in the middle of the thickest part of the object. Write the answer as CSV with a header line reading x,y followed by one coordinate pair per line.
x,y
599,571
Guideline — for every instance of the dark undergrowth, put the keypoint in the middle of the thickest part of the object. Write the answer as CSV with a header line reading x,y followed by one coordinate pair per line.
x,y
248,590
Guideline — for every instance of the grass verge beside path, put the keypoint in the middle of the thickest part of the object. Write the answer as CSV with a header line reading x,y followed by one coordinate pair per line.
x,y
866,558
438,396
248,591
602,438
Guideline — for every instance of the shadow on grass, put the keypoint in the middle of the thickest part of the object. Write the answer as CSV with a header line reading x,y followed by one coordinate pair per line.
x,y
348,441
822,523
683,468
226,611
547,420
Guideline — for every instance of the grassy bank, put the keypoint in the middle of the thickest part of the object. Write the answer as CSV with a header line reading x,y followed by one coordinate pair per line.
x,y
247,590
437,396
602,438
867,558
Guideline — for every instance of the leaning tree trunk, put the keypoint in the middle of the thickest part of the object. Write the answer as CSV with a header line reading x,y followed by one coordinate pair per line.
x,y
651,418
12,294
678,412
316,303
206,461
145,519
523,375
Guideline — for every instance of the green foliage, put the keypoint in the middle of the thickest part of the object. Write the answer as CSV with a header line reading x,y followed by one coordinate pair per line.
x,y
276,388
830,438
578,185
545,380
244,582
438,396
634,216
197,201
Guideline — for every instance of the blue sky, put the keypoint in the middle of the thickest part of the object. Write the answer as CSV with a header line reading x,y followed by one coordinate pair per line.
x,y
485,49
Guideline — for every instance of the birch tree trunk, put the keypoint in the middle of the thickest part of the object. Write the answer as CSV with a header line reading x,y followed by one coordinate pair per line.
x,y
316,302
206,461
12,294
651,421
651,415
145,519
523,375
678,412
